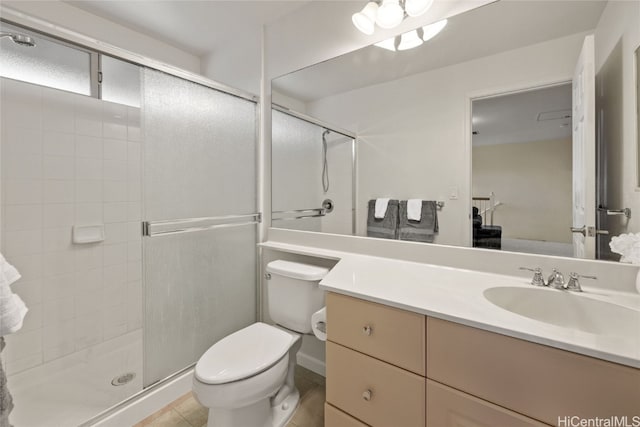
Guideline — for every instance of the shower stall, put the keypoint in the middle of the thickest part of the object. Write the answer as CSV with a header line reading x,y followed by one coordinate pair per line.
x,y
313,174
128,204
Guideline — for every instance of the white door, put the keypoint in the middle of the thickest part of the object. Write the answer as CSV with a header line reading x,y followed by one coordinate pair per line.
x,y
584,153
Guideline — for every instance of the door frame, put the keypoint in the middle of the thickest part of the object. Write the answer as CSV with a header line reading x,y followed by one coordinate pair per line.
x,y
468,128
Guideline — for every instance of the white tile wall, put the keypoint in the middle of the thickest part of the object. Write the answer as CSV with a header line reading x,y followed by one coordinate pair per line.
x,y
67,160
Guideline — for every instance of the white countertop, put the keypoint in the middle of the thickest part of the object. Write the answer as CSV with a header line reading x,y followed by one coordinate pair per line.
x,y
457,295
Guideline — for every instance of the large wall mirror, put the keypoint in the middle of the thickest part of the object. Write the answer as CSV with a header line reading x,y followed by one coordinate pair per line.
x,y
513,128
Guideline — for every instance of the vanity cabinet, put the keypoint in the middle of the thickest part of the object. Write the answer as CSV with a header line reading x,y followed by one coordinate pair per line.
x,y
390,367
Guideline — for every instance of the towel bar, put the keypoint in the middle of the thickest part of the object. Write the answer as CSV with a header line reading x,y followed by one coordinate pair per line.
x,y
298,214
188,225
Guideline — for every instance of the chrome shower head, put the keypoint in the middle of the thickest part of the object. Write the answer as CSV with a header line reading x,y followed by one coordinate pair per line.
x,y
20,39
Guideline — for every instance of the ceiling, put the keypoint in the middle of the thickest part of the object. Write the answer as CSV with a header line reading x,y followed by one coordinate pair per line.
x,y
537,115
197,27
484,31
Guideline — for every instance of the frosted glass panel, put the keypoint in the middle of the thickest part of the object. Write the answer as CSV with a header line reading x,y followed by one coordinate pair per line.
x,y
48,63
201,150
297,175
120,81
199,161
200,287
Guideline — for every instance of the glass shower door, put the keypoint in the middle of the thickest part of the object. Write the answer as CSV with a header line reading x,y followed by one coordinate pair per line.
x,y
200,220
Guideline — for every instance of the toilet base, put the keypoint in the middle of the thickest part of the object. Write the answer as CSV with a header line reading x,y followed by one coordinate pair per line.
x,y
260,414
283,412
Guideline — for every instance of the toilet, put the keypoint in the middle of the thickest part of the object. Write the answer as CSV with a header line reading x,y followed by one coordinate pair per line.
x,y
246,378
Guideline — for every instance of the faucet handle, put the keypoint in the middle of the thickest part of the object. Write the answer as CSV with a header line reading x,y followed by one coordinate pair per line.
x,y
537,280
574,283
556,279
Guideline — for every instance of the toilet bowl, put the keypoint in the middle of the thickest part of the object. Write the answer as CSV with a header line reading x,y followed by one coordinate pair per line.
x,y
238,378
247,378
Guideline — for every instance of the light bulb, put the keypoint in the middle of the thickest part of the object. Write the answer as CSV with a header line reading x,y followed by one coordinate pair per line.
x,y
390,14
430,31
410,40
417,7
366,18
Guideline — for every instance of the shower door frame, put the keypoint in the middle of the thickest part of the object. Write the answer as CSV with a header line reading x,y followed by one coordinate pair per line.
x,y
96,48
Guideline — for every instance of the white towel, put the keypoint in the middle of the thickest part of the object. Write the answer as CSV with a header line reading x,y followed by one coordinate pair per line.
x,y
12,308
414,209
381,207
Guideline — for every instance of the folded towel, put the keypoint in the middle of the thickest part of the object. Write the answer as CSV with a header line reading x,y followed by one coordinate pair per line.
x,y
8,273
385,228
381,207
419,231
414,209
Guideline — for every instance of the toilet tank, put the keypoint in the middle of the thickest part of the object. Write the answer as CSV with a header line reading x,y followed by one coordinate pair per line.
x,y
293,294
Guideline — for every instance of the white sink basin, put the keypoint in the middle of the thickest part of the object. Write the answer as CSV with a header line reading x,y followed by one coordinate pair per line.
x,y
567,309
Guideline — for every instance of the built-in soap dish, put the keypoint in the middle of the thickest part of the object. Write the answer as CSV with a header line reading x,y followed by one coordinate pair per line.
x,y
84,234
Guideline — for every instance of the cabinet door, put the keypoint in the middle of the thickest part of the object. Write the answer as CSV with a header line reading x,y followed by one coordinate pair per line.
x,y
380,394
447,407
386,333
336,418
541,382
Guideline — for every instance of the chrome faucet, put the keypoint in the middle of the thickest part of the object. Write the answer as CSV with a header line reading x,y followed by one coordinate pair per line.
x,y
574,284
556,280
537,280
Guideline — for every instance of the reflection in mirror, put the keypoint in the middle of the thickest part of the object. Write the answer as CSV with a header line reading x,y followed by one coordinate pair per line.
x,y
638,112
414,112
312,176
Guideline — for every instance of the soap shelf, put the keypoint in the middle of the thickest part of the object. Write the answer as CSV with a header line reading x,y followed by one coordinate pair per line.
x,y
85,234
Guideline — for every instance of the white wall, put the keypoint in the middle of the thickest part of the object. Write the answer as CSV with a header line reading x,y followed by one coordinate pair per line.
x,y
533,182
65,17
414,143
70,160
617,36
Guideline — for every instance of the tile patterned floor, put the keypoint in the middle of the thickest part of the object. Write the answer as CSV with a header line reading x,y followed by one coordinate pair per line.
x,y
187,412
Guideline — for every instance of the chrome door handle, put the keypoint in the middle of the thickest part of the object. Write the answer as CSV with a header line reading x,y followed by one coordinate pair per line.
x,y
367,395
367,330
582,230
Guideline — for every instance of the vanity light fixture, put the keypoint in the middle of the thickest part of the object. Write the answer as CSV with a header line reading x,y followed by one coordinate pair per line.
x,y
388,13
410,40
413,38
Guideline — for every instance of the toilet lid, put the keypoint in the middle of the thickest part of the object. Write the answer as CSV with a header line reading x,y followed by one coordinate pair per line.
x,y
243,354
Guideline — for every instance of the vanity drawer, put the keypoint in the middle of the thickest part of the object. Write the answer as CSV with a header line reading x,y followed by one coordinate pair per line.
x,y
336,418
447,407
386,333
535,380
375,392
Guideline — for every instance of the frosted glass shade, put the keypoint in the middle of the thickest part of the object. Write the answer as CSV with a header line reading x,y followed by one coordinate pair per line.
x,y
389,44
409,40
365,19
417,7
390,14
430,31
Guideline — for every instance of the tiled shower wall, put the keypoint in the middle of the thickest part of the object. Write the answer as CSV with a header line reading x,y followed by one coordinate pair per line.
x,y
68,160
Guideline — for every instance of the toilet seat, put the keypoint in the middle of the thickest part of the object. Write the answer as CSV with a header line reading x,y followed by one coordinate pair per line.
x,y
243,354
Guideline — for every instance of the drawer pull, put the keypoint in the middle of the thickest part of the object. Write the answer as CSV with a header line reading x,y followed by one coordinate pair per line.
x,y
367,330
367,395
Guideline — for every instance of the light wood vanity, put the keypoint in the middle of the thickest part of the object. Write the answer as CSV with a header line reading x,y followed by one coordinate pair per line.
x,y
388,367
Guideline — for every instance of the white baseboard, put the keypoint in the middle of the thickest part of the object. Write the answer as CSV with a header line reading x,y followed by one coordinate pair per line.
x,y
311,363
149,403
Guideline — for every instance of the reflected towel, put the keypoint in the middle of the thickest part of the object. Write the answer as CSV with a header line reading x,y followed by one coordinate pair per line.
x,y
419,231
381,207
384,228
414,209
